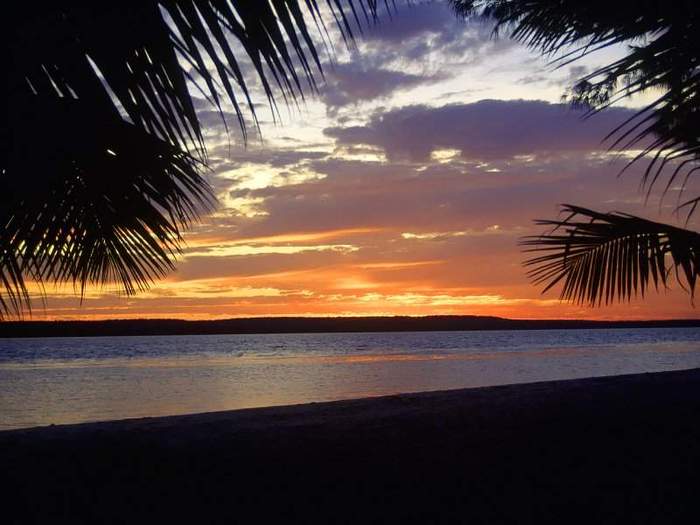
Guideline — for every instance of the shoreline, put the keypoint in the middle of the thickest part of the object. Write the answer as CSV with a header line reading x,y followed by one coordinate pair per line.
x,y
362,407
314,325
610,446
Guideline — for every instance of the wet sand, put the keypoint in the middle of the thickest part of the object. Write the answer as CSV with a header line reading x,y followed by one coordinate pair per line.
x,y
617,449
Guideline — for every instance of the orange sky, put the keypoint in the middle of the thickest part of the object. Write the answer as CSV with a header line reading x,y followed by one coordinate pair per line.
x,y
402,189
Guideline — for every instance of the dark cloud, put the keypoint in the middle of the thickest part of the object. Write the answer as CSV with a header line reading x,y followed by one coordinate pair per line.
x,y
417,29
412,21
354,82
488,129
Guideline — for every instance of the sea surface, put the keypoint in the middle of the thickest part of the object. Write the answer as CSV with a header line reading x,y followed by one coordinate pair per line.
x,y
68,380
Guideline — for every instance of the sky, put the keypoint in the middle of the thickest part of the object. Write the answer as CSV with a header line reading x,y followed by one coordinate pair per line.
x,y
401,188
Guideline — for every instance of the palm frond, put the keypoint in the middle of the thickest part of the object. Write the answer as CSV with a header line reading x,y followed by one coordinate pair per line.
x,y
112,215
662,57
139,50
599,258
102,158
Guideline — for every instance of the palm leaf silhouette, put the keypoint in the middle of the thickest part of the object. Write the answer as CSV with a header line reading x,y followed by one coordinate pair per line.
x,y
103,157
613,255
602,257
662,57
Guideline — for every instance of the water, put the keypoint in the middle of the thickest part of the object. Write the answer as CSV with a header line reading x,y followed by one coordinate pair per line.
x,y
69,380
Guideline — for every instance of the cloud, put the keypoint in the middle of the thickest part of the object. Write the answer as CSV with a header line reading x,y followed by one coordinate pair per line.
x,y
277,157
455,196
573,75
414,21
423,43
420,29
488,129
354,82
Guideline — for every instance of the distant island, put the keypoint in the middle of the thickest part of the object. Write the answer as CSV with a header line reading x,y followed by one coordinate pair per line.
x,y
265,325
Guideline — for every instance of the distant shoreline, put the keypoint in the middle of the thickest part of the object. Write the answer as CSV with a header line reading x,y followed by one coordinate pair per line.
x,y
280,325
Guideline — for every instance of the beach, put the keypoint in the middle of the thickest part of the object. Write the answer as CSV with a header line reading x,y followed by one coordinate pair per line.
x,y
611,449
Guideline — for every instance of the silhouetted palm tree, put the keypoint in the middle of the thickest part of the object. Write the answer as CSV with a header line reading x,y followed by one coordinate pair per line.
x,y
102,152
601,257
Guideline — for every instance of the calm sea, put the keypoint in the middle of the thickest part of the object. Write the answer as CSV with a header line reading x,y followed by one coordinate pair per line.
x,y
68,380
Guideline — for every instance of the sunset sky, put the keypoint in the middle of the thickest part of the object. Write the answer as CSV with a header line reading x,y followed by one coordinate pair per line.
x,y
402,188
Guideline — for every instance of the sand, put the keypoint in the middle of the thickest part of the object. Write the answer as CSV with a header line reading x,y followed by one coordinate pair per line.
x,y
622,449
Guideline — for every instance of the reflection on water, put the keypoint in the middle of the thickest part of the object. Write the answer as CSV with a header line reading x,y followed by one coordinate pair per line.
x,y
64,380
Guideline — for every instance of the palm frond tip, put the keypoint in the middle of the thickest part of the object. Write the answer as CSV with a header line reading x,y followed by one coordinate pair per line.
x,y
603,257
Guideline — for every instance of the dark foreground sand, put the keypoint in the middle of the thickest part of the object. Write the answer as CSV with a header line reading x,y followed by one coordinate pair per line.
x,y
615,450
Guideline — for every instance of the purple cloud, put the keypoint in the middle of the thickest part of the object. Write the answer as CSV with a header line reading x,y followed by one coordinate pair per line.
x,y
488,129
354,82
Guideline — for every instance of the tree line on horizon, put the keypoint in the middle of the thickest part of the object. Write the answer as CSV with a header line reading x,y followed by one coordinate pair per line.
x,y
307,325
102,159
